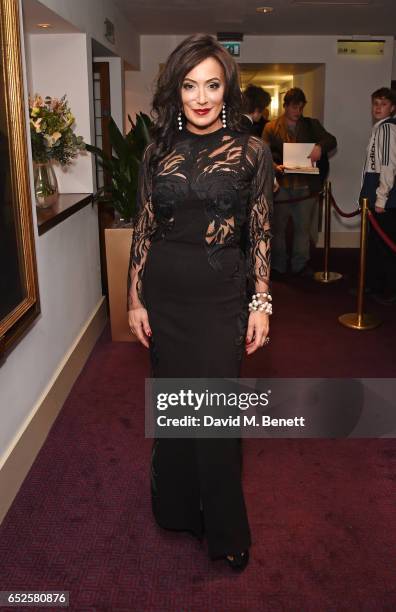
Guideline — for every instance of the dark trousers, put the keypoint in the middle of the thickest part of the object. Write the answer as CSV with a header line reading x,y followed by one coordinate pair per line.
x,y
302,216
196,486
381,260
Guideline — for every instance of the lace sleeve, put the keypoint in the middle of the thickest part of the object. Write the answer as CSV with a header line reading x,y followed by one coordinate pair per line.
x,y
259,214
143,228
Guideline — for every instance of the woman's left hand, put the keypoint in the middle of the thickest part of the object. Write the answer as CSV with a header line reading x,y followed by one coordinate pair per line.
x,y
257,331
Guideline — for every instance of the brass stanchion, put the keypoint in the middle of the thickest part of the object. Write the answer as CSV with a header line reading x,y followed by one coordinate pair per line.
x,y
360,319
326,276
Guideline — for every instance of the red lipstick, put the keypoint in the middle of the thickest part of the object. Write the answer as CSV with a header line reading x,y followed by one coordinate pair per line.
x,y
201,111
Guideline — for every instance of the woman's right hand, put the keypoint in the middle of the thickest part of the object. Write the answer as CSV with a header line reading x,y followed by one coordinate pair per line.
x,y
139,324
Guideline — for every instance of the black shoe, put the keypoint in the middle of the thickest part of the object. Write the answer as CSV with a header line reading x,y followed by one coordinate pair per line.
x,y
239,561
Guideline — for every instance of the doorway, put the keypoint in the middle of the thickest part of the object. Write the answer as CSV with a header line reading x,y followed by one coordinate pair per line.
x,y
278,78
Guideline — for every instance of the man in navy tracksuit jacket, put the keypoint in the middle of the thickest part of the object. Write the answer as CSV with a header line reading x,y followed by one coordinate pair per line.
x,y
378,185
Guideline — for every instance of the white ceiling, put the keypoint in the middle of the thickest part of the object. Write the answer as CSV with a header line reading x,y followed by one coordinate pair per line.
x,y
375,17
34,13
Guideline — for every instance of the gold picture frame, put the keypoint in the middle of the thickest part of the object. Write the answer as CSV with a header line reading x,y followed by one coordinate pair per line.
x,y
19,294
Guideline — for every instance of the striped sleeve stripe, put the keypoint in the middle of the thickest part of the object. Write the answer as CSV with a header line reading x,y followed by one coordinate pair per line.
x,y
385,144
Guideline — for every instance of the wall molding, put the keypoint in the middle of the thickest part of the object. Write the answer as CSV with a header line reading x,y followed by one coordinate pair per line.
x,y
27,442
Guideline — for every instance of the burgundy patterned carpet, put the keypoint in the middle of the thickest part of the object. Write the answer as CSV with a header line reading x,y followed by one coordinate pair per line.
x,y
322,512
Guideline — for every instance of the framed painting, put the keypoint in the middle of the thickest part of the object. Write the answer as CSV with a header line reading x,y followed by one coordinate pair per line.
x,y
19,296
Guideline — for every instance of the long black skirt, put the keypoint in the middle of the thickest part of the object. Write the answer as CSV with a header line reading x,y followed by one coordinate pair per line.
x,y
198,316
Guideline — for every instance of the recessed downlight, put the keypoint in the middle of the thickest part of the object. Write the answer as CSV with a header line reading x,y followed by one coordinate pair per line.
x,y
264,9
45,26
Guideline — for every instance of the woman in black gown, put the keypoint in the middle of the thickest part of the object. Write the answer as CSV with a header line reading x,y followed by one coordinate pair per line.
x,y
201,231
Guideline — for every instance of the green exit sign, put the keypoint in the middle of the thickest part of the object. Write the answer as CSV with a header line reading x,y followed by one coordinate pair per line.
x,y
233,48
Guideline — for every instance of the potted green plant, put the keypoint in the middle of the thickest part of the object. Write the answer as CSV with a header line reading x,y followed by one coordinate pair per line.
x,y
121,172
122,168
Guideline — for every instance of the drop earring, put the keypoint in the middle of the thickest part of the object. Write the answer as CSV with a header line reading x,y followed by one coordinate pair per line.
x,y
179,119
224,118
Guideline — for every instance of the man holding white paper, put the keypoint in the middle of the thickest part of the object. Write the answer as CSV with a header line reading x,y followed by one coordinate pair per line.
x,y
305,143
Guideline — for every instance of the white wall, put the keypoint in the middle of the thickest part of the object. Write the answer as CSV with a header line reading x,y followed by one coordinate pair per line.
x,y
60,64
312,83
139,84
70,289
89,15
394,64
349,82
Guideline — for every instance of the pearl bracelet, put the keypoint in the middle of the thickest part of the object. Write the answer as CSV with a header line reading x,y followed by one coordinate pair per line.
x,y
264,295
258,305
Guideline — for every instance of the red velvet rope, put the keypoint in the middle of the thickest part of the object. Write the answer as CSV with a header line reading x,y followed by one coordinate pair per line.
x,y
380,231
340,212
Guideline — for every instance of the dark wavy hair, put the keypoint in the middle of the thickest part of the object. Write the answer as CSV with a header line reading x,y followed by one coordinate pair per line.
x,y
255,97
295,95
167,97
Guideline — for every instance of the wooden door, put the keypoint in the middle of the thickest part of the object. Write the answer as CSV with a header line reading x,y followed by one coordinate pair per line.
x,y
101,78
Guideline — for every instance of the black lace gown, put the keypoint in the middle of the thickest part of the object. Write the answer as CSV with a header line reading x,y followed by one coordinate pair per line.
x,y
201,232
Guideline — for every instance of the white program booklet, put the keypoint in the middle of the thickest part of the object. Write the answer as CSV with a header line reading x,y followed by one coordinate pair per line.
x,y
295,158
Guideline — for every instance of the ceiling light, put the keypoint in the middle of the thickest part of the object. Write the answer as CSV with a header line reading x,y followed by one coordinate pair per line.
x,y
44,25
264,9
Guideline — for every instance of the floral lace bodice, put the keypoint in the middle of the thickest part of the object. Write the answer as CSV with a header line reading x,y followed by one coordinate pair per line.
x,y
212,189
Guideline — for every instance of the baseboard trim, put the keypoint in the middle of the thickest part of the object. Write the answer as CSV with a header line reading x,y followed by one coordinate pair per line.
x,y
32,434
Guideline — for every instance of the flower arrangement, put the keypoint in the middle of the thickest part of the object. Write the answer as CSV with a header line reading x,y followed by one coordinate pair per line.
x,y
51,130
